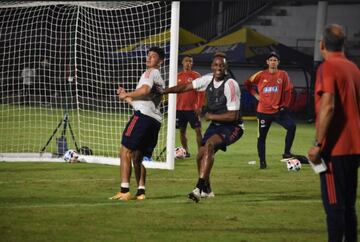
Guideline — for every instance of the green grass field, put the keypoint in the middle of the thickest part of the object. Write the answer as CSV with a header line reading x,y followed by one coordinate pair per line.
x,y
69,202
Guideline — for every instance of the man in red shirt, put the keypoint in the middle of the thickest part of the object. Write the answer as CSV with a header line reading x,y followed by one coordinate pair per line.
x,y
188,105
272,88
337,107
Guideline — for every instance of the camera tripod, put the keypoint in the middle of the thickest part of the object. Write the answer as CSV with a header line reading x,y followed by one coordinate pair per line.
x,y
66,122
61,142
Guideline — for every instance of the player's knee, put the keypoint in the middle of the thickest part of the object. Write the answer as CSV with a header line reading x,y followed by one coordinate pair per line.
x,y
136,155
261,139
200,153
209,146
137,161
125,152
292,127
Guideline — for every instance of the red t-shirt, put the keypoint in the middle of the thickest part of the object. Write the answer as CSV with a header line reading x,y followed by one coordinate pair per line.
x,y
274,90
339,76
191,100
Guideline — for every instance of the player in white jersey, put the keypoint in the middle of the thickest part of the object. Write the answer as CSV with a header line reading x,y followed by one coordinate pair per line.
x,y
140,135
223,110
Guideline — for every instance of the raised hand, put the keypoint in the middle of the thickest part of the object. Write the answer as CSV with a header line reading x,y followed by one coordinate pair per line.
x,y
121,93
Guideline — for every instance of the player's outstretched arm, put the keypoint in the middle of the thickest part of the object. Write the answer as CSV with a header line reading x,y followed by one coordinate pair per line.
x,y
178,88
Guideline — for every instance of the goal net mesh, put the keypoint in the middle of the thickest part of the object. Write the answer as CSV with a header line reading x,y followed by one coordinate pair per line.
x,y
61,63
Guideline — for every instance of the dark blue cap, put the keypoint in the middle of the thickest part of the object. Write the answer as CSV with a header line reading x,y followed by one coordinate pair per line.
x,y
273,53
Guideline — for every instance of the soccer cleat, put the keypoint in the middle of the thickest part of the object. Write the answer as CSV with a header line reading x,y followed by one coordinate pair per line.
x,y
195,195
287,156
139,197
121,196
263,165
187,155
207,195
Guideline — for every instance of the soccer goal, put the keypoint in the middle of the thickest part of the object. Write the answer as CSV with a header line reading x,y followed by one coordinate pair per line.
x,y
61,63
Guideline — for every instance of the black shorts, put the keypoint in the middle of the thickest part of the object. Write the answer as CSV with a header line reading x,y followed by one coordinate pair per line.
x,y
265,120
187,116
141,133
339,182
229,133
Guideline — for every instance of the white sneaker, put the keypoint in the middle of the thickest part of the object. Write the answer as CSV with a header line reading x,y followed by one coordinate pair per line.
x,y
207,195
195,195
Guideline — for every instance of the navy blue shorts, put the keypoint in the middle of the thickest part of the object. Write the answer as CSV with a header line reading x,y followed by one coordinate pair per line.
x,y
229,133
183,117
141,133
283,119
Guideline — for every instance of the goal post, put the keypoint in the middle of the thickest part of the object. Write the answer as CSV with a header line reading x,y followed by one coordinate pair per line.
x,y
174,47
61,63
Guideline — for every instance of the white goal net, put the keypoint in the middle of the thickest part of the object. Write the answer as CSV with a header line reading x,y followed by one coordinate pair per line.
x,y
61,63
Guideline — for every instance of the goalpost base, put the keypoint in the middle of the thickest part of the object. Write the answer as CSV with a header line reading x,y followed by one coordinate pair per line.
x,y
49,157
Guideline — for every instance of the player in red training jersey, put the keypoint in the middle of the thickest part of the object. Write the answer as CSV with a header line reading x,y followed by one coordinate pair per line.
x,y
274,90
337,107
188,105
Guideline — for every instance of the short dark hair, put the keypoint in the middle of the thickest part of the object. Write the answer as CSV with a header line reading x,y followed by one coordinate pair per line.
x,y
186,56
273,54
159,51
334,37
220,54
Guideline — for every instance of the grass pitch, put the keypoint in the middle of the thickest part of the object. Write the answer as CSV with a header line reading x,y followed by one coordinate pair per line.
x,y
69,202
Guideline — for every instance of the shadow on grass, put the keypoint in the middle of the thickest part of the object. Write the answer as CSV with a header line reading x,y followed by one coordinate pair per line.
x,y
263,196
255,230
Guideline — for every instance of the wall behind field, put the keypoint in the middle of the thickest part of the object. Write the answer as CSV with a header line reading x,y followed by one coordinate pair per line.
x,y
295,26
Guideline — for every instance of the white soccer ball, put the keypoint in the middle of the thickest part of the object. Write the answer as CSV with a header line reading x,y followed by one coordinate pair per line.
x,y
293,164
180,152
71,156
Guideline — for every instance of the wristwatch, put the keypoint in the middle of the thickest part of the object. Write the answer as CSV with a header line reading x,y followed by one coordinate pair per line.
x,y
317,144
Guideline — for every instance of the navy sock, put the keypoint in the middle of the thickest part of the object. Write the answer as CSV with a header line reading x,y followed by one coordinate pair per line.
x,y
201,184
140,191
124,189
207,187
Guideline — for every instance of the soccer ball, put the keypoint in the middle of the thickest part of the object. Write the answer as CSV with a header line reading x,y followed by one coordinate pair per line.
x,y
180,152
71,156
293,164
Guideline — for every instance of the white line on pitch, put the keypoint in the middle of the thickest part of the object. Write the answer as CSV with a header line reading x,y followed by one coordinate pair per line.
x,y
55,180
151,201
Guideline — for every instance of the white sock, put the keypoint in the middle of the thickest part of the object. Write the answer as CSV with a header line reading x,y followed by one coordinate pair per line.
x,y
125,185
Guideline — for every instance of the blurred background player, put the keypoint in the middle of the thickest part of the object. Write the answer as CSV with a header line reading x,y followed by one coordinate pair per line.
x,y
140,135
337,106
188,105
273,90
223,112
